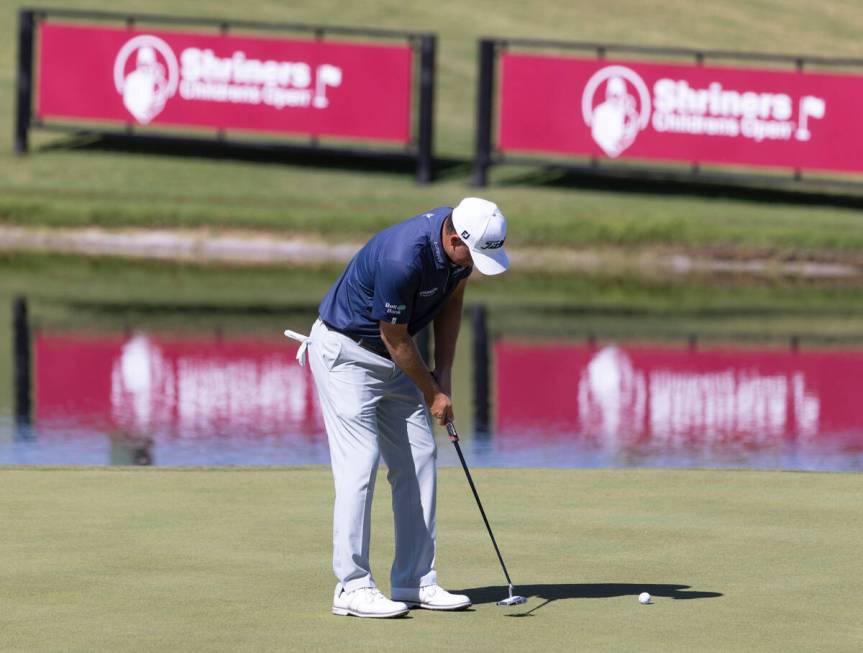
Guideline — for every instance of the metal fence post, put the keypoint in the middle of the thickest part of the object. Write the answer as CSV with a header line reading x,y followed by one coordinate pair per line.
x,y
484,109
21,363
481,422
24,91
425,156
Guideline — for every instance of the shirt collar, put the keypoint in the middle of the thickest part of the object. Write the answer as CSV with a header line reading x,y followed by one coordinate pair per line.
x,y
441,260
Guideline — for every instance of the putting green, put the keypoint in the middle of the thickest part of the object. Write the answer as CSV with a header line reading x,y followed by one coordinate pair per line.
x,y
239,560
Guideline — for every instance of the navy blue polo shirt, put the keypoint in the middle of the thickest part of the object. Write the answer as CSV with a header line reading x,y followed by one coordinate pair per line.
x,y
402,276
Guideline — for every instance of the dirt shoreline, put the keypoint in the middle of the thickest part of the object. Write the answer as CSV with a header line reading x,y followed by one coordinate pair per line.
x,y
266,248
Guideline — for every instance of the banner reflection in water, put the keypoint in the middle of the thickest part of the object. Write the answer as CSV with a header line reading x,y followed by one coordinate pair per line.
x,y
173,387
207,400
665,398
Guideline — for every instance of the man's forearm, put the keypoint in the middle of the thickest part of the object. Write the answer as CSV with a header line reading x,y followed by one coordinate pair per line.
x,y
446,328
405,354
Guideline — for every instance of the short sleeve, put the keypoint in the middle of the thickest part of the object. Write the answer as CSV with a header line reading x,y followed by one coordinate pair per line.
x,y
396,285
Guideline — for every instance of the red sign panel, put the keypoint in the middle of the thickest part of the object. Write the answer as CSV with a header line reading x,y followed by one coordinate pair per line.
x,y
225,82
183,388
704,114
671,396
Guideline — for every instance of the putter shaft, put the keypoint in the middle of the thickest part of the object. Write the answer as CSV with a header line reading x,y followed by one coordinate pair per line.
x,y
453,436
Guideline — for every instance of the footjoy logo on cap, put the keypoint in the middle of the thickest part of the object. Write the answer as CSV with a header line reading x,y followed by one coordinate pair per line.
x,y
465,234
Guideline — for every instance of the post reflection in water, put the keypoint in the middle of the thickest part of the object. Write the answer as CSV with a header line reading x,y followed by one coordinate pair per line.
x,y
147,399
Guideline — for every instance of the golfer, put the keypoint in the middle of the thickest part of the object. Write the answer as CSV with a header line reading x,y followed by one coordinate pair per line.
x,y
378,395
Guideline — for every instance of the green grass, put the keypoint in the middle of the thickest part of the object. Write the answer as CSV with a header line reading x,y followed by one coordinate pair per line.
x,y
239,560
69,187
70,291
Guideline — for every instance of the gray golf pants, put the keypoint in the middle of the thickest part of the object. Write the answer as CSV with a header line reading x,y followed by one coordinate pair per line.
x,y
371,410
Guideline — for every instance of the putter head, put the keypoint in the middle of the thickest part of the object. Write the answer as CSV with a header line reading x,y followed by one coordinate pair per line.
x,y
512,600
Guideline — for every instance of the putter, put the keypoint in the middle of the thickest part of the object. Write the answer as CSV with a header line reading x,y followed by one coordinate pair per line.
x,y
512,599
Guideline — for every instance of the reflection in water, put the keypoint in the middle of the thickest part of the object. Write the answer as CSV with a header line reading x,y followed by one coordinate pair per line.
x,y
616,401
674,406
611,395
173,401
189,389
169,401
141,387
221,390
130,450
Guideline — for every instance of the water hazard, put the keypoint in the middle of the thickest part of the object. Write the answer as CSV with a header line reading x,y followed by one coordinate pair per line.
x,y
171,400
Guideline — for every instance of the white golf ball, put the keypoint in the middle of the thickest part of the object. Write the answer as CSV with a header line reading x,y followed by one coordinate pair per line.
x,y
644,598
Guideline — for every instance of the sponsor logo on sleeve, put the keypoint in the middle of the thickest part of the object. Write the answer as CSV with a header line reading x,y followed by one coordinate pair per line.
x,y
429,292
394,309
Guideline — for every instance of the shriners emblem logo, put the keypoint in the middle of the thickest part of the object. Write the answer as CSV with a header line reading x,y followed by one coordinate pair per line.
x,y
616,116
150,81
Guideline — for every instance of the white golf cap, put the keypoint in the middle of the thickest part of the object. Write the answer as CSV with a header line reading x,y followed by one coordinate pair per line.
x,y
482,227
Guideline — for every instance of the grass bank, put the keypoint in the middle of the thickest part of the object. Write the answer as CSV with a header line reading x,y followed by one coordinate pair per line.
x,y
239,559
71,291
65,184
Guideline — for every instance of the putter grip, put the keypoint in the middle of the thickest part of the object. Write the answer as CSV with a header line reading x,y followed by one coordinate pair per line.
x,y
453,434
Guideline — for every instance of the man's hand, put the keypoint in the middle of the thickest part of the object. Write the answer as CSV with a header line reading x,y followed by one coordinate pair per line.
x,y
441,408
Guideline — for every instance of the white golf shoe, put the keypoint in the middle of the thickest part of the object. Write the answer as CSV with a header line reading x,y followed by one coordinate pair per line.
x,y
366,602
431,597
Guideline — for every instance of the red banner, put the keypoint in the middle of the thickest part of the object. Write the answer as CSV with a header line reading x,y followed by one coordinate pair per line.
x,y
319,88
184,388
691,114
671,396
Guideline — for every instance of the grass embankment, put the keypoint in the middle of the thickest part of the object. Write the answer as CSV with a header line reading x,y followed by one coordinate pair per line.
x,y
60,185
69,292
235,560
